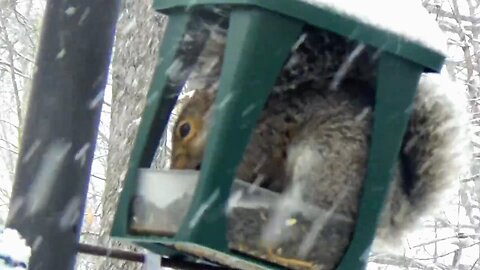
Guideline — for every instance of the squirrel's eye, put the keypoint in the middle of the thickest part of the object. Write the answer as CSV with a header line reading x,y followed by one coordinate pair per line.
x,y
184,130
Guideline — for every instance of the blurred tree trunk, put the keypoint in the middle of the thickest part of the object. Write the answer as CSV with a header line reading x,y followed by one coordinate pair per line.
x,y
138,34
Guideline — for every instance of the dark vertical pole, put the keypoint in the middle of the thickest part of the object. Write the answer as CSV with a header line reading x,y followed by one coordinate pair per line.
x,y
60,130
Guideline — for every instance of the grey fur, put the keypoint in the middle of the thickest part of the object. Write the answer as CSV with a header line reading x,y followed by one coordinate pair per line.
x,y
320,138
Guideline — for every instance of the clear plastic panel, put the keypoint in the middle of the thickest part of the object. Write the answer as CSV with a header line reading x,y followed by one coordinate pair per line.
x,y
259,220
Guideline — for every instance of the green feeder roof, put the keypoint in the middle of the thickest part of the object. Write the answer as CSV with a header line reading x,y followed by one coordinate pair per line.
x,y
407,19
403,28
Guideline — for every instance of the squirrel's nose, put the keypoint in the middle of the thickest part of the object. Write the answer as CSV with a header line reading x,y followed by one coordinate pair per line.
x,y
198,167
179,162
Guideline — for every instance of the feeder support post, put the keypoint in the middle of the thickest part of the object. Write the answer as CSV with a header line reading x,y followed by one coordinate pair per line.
x,y
60,129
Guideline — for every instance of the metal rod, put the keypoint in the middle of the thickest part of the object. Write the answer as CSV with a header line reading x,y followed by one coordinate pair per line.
x,y
138,257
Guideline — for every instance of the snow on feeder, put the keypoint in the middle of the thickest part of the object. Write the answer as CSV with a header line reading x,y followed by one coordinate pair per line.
x,y
253,48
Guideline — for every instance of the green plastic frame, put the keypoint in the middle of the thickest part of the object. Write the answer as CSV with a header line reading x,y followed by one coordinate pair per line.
x,y
256,25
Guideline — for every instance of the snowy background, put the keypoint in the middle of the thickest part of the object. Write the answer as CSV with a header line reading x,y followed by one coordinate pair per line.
x,y
448,241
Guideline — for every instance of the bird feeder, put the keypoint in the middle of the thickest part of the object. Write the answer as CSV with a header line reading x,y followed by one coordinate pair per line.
x,y
260,37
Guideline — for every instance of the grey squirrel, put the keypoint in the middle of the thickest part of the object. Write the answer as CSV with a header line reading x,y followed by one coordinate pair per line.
x,y
319,137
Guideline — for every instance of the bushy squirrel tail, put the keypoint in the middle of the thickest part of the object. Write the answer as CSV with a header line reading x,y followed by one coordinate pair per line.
x,y
436,153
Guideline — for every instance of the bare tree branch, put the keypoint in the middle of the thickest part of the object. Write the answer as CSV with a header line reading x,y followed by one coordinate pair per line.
x,y
404,262
11,52
9,143
10,124
431,8
98,177
475,34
